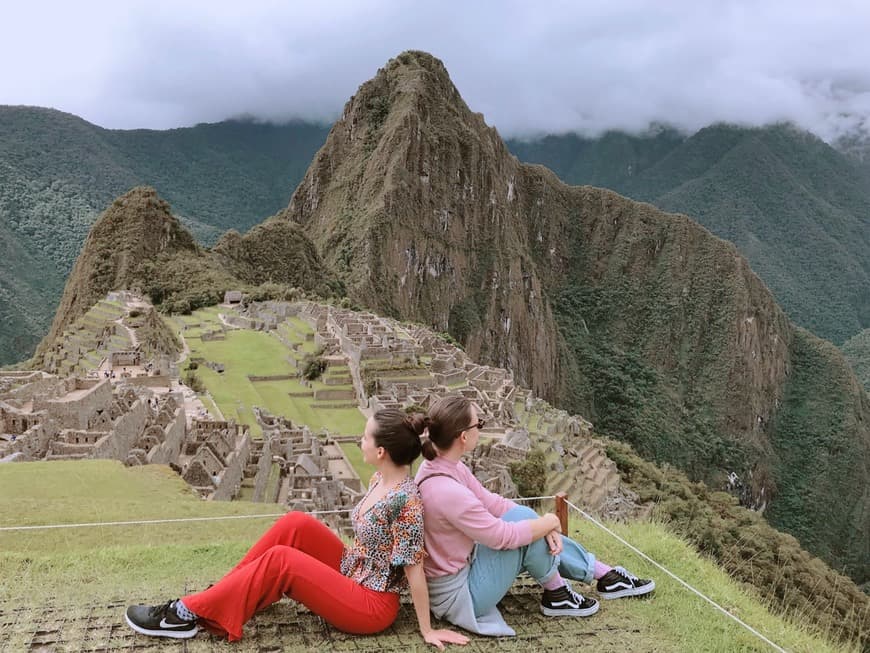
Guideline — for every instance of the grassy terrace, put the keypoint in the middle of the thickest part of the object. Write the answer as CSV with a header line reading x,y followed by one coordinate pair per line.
x,y
247,353
72,584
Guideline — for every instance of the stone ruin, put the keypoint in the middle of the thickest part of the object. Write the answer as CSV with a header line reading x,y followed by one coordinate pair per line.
x,y
315,474
394,353
214,458
43,417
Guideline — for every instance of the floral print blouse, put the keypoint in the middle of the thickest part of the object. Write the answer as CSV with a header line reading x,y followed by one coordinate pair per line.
x,y
389,536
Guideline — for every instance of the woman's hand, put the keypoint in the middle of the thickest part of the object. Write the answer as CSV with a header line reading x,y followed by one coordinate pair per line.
x,y
420,597
439,638
544,525
554,541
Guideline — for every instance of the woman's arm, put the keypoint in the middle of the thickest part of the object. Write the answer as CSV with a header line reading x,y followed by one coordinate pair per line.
x,y
420,598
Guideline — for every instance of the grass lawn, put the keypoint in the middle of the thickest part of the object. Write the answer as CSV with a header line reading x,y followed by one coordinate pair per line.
x,y
244,353
154,562
678,615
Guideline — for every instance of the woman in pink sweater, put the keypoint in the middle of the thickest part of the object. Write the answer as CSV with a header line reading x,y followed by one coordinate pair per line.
x,y
479,542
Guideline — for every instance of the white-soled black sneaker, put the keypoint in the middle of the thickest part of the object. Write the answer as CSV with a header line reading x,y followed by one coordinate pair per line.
x,y
565,602
159,621
619,583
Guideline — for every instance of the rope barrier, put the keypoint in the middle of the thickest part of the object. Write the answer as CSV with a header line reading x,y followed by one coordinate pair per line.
x,y
346,510
193,519
162,521
676,578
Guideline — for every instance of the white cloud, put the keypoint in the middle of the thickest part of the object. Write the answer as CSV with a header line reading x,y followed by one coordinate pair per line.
x,y
529,67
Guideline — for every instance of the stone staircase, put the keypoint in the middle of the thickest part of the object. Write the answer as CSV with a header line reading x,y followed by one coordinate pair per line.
x,y
589,477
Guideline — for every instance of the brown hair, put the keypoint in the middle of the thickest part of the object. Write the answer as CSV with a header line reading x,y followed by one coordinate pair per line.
x,y
448,418
399,433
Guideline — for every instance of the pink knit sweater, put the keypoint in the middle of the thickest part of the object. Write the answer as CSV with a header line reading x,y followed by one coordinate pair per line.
x,y
459,511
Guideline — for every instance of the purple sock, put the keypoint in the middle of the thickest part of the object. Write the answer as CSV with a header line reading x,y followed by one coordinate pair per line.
x,y
600,570
554,583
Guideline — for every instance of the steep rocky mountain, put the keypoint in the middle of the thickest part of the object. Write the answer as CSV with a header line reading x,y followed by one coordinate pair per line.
x,y
58,172
138,244
798,209
641,320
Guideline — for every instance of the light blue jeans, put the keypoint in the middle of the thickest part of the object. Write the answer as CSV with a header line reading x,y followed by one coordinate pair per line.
x,y
493,571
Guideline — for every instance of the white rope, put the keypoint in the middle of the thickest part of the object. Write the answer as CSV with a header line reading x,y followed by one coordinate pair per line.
x,y
162,521
677,578
345,510
522,499
191,519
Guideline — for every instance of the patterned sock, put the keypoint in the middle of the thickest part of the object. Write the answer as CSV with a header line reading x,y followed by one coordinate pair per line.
x,y
554,583
600,570
183,613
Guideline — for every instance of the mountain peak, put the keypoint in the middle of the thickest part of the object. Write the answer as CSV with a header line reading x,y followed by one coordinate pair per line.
x,y
136,228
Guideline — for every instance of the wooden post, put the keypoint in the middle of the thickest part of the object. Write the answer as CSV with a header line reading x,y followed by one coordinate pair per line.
x,y
562,511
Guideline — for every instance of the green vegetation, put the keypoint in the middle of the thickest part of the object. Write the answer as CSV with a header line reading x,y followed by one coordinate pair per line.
x,y
228,175
354,456
530,475
857,351
111,563
815,472
795,207
748,548
314,368
244,354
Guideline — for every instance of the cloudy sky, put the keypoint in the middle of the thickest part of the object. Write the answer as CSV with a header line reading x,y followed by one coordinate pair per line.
x,y
529,67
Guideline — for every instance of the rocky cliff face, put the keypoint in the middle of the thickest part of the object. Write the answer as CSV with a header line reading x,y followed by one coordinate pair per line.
x,y
410,201
605,305
420,207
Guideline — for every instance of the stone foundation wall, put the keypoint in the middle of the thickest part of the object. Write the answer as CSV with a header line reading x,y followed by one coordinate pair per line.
x,y
231,480
50,387
77,413
161,381
264,468
127,430
174,432
324,394
34,442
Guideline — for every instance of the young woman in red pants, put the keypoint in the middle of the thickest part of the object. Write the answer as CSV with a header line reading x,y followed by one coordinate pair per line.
x,y
355,588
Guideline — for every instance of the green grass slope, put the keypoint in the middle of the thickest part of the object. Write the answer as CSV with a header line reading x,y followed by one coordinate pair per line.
x,y
246,353
795,207
58,172
67,570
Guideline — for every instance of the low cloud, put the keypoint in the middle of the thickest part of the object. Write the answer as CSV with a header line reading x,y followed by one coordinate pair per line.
x,y
531,68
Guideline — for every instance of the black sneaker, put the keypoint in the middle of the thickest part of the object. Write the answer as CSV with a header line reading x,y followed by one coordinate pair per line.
x,y
619,582
565,602
159,621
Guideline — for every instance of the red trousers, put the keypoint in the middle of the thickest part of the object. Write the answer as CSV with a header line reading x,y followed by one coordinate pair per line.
x,y
299,557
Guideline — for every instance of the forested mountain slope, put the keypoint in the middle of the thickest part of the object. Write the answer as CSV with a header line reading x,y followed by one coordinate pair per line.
x,y
58,172
798,209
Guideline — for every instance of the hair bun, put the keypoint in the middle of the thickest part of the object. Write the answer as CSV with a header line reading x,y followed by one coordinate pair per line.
x,y
417,422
